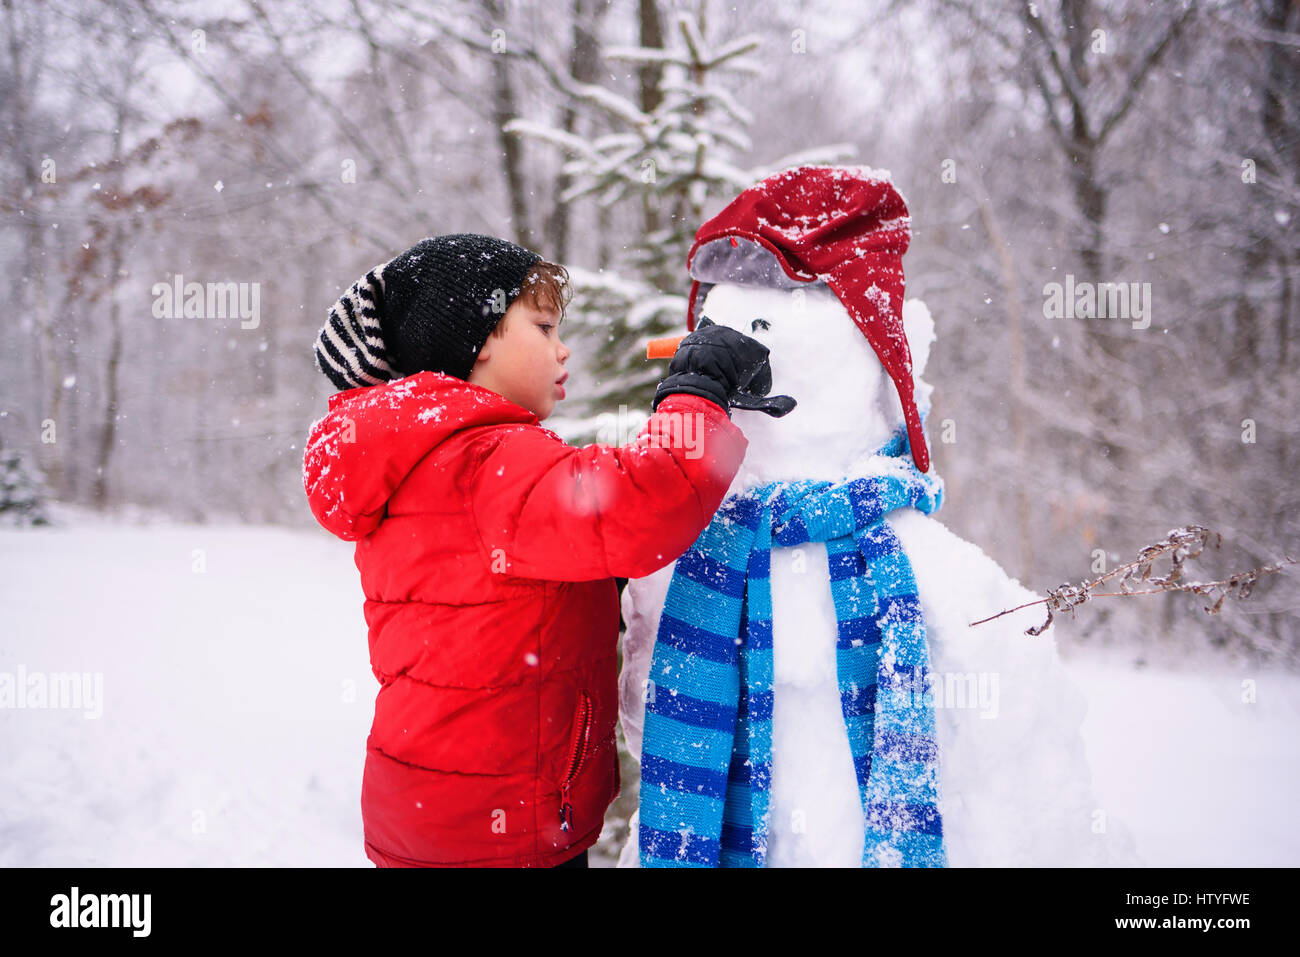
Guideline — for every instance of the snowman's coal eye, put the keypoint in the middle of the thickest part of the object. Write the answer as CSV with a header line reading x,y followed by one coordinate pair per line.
x,y
759,324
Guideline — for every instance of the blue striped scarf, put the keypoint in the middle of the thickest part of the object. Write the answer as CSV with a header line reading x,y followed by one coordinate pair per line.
x,y
706,757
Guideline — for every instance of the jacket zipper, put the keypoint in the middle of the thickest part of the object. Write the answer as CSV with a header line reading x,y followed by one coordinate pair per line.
x,y
577,757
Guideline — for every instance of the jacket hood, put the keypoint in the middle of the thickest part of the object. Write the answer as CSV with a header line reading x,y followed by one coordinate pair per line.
x,y
372,437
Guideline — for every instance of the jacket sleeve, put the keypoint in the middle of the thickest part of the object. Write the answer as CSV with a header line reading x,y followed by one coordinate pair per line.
x,y
544,509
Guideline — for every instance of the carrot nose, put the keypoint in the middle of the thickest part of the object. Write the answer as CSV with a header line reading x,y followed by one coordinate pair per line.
x,y
662,348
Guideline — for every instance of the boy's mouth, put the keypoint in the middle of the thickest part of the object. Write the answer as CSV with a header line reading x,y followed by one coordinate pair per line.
x,y
560,384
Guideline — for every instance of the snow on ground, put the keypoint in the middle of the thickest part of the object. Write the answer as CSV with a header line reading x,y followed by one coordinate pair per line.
x,y
227,736
1202,775
237,696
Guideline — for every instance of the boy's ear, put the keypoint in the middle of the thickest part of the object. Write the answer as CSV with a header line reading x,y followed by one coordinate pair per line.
x,y
485,350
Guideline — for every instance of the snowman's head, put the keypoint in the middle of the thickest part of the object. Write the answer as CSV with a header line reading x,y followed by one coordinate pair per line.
x,y
847,228
848,406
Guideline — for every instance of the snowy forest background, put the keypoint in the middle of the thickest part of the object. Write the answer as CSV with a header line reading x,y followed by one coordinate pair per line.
x,y
289,146
293,145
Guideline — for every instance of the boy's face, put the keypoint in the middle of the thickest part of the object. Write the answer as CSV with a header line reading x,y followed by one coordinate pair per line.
x,y
526,364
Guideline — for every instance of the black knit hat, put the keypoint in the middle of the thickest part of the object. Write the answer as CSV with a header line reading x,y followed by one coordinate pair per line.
x,y
430,308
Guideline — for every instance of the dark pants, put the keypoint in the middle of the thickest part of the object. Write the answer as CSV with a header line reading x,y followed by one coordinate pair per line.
x,y
579,861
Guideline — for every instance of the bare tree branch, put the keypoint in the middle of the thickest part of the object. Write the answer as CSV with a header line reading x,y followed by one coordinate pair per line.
x,y
1149,62
1180,544
276,149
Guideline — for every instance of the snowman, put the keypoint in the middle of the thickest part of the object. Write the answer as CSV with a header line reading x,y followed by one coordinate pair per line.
x,y
803,686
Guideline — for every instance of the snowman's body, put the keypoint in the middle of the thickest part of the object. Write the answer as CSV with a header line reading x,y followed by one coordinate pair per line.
x,y
1014,785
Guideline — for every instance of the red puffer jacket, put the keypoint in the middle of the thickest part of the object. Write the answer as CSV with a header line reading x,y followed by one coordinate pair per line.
x,y
488,550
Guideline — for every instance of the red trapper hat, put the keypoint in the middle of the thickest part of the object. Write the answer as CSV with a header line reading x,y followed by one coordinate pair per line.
x,y
845,226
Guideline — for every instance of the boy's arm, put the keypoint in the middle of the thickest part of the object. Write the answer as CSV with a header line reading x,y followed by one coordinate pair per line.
x,y
544,509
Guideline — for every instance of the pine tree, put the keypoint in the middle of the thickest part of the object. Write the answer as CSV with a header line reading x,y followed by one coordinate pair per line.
x,y
673,162
22,493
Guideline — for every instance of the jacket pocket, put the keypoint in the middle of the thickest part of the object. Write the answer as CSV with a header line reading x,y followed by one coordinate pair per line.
x,y
578,748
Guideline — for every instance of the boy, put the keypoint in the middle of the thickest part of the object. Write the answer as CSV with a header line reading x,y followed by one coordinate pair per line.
x,y
488,548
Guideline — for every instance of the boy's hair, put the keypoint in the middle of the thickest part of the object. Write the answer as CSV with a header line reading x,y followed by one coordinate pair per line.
x,y
545,287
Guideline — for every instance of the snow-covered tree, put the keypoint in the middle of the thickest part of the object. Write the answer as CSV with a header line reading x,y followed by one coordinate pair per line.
x,y
675,160
22,492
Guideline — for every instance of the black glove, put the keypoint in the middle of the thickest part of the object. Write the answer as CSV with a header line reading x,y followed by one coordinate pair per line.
x,y
725,366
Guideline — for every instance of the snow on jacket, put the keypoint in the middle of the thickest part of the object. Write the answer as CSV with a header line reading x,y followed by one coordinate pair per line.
x,y
488,550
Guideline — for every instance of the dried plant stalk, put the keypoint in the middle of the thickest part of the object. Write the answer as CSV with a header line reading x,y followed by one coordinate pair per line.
x,y
1180,544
